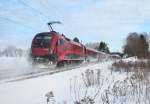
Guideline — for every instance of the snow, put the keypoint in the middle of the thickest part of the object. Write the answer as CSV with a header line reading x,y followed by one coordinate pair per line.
x,y
32,91
134,59
11,66
131,59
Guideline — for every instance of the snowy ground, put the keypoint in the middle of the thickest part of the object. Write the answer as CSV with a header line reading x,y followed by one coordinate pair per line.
x,y
68,86
11,67
32,91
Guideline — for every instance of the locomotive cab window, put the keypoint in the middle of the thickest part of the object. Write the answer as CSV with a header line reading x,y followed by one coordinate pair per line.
x,y
60,42
42,41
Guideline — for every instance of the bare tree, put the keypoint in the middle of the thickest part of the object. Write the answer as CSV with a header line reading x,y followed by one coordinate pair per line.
x,y
137,45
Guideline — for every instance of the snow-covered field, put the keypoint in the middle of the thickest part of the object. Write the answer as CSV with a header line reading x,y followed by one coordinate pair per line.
x,y
11,67
68,87
32,91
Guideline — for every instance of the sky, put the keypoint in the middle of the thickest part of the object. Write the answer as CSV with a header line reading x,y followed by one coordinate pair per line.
x,y
89,20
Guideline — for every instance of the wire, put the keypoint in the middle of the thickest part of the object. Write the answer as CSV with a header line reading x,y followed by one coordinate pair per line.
x,y
33,9
58,13
16,22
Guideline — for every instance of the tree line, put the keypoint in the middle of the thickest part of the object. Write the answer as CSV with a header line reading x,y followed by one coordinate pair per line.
x,y
136,44
12,51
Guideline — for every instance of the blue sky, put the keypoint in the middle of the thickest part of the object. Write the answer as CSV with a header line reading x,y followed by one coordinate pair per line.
x,y
89,20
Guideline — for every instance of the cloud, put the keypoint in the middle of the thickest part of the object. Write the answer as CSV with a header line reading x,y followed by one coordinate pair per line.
x,y
90,20
111,20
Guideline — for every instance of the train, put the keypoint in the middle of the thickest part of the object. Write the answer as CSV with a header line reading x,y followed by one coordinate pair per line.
x,y
57,48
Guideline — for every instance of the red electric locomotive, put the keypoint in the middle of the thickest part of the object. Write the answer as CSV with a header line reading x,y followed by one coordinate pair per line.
x,y
58,49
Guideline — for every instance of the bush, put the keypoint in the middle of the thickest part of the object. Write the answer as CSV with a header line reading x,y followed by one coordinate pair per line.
x,y
132,66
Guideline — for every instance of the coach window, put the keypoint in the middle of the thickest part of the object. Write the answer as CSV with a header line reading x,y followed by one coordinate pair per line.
x,y
60,42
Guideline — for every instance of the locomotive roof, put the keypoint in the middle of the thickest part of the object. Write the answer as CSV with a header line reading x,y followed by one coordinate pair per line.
x,y
73,42
46,33
42,33
70,40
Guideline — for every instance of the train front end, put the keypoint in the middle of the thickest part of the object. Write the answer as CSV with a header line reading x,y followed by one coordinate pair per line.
x,y
42,47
